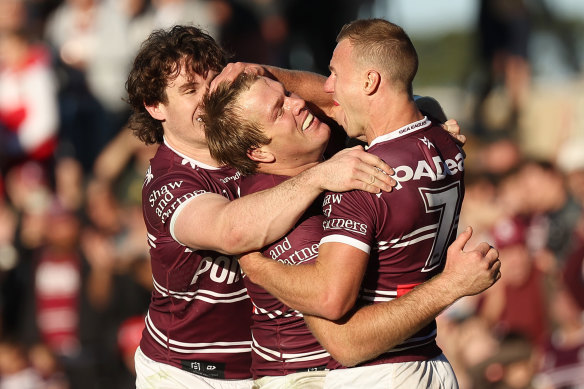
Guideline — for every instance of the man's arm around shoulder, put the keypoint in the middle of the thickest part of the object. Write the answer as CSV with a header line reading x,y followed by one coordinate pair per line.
x,y
212,222
365,333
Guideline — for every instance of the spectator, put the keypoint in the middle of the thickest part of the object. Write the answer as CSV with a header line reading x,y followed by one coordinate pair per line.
x,y
563,362
511,367
58,283
15,369
120,27
551,210
45,362
28,101
517,303
504,33
71,32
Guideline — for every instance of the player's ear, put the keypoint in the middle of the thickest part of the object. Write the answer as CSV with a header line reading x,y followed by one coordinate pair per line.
x,y
155,111
260,155
372,81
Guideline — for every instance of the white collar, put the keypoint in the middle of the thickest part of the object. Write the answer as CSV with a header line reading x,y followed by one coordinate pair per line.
x,y
407,129
189,159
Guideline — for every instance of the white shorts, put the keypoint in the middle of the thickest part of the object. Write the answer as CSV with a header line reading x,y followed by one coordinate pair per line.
x,y
155,375
302,380
435,373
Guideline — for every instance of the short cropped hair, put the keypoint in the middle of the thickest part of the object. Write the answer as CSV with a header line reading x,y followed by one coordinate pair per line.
x,y
159,62
229,134
386,45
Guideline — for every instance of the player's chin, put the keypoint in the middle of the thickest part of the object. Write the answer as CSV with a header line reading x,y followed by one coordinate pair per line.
x,y
339,116
319,134
322,128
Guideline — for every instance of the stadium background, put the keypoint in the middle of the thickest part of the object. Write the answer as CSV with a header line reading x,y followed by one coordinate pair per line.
x,y
74,272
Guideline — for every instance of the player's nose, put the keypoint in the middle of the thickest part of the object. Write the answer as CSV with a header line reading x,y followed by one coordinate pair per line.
x,y
329,85
296,103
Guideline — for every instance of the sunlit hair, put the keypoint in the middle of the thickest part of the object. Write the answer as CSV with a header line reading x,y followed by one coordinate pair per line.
x,y
158,63
229,134
384,44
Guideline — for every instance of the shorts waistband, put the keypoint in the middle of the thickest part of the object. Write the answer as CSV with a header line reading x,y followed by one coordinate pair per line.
x,y
308,369
204,368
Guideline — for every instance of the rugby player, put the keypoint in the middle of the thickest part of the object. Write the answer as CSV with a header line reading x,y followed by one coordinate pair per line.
x,y
197,326
391,242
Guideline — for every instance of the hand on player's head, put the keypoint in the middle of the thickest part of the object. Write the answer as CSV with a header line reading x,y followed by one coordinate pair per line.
x,y
233,69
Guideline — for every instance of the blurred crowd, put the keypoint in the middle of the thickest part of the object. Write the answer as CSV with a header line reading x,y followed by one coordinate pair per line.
x,y
74,266
527,331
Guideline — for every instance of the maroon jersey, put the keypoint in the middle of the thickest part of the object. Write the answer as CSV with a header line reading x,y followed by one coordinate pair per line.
x,y
199,316
282,343
563,362
406,232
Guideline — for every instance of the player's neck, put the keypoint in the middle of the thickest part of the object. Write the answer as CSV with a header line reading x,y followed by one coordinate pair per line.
x,y
195,150
280,170
386,117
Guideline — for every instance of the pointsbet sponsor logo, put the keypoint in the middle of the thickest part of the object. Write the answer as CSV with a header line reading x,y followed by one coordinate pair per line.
x,y
221,269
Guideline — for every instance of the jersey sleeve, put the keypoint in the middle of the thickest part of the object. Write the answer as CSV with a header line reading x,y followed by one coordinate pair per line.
x,y
349,219
168,195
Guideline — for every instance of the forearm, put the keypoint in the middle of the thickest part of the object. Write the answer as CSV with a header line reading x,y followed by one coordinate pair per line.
x,y
116,155
365,333
368,332
318,288
301,287
306,84
255,220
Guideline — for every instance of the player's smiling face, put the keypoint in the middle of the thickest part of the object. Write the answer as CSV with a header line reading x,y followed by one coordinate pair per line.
x,y
298,137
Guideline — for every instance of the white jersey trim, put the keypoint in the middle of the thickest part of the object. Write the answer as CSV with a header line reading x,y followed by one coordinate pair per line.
x,y
378,295
276,313
419,342
348,241
151,240
276,356
415,232
178,211
196,348
191,160
405,130
208,296
417,240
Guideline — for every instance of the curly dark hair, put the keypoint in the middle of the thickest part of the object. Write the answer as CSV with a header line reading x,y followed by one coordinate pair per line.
x,y
158,63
